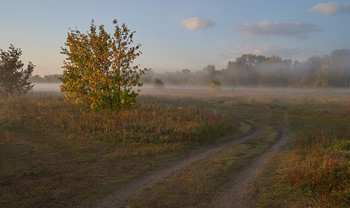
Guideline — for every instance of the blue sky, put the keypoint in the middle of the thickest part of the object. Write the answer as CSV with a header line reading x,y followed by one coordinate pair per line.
x,y
179,34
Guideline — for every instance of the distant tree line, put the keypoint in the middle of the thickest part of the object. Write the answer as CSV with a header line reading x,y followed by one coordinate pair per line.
x,y
52,78
256,70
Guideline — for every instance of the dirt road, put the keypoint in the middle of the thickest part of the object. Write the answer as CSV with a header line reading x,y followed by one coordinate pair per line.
x,y
236,193
122,193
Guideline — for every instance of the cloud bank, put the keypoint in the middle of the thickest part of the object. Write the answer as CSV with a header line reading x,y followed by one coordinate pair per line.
x,y
330,8
286,29
196,23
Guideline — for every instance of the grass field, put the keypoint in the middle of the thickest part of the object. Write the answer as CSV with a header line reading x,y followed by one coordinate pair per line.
x,y
57,154
54,153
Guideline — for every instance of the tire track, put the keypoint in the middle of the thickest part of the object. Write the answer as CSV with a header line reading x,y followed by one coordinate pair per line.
x,y
235,195
123,192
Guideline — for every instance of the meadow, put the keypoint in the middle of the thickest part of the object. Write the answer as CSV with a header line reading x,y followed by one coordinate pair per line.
x,y
58,154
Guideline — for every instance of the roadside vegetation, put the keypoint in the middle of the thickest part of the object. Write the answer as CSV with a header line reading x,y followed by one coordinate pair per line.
x,y
314,170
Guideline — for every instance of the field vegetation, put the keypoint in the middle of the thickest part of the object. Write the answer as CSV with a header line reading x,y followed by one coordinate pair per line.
x,y
55,153
314,170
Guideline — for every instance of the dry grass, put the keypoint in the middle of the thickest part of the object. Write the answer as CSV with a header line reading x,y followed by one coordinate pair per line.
x,y
322,172
314,172
153,127
54,154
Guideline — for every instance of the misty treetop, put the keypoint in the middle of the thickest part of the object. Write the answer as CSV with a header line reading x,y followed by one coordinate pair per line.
x,y
260,71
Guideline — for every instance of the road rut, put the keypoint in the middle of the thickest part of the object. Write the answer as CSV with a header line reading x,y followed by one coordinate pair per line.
x,y
123,192
236,193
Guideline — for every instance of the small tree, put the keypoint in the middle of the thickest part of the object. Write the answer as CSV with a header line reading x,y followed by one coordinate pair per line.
x,y
98,69
215,85
158,83
14,80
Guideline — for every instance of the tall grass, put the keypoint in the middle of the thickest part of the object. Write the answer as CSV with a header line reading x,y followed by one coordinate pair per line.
x,y
155,127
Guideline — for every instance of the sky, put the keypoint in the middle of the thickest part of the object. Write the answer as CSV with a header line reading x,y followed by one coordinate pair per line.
x,y
179,34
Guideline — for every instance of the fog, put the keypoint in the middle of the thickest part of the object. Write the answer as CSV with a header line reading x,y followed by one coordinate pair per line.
x,y
46,87
204,91
248,72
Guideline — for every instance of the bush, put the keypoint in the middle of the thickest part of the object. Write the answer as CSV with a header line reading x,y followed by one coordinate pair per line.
x,y
215,85
158,84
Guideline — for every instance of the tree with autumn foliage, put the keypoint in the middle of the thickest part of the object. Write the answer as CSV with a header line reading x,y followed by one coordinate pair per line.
x,y
215,85
14,80
99,70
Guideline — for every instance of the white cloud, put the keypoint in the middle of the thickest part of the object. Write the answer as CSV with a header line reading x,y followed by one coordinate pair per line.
x,y
196,23
330,8
266,28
